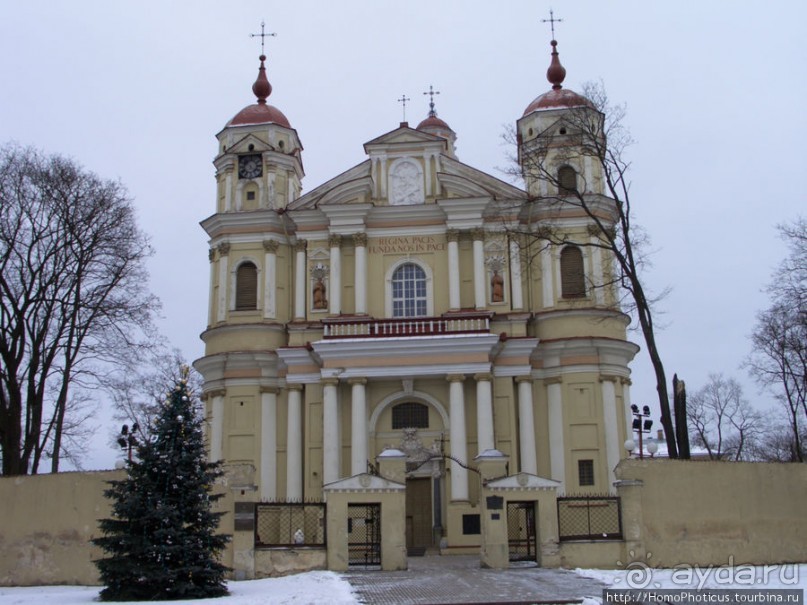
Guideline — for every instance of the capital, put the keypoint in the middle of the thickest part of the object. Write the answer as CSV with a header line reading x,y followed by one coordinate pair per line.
x,y
334,240
453,235
478,233
354,381
456,378
520,379
483,377
330,381
211,254
294,386
270,390
270,246
609,378
360,240
223,248
553,380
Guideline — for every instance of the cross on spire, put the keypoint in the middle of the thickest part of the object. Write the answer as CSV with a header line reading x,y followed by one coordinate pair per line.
x,y
403,100
431,92
262,36
552,22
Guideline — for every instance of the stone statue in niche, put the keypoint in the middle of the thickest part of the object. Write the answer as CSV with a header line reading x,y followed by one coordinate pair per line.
x,y
496,287
319,293
406,183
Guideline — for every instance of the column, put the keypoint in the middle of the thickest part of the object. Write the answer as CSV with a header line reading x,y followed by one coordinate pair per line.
x,y
221,303
217,430
330,430
360,242
526,426
515,275
479,267
557,451
358,426
268,443
547,279
299,279
211,256
335,281
294,443
452,235
228,188
458,436
270,279
484,413
596,270
626,382
613,446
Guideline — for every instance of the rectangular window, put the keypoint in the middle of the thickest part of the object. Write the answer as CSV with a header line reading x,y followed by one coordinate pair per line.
x,y
471,525
250,195
585,472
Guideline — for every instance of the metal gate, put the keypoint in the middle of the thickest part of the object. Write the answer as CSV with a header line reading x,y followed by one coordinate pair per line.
x,y
364,534
521,534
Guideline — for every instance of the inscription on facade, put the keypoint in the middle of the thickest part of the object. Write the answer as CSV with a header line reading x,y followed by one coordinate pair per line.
x,y
405,244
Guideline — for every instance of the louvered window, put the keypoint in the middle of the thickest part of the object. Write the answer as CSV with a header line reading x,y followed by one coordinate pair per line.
x,y
409,291
567,180
572,275
246,287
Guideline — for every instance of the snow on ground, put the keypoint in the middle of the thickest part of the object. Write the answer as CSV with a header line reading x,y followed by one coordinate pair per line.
x,y
310,588
638,575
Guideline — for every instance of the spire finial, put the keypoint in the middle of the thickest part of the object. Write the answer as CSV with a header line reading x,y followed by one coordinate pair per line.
x,y
261,88
262,36
552,22
431,92
403,100
556,72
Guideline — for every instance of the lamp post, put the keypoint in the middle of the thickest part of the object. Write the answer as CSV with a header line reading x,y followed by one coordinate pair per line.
x,y
127,439
641,424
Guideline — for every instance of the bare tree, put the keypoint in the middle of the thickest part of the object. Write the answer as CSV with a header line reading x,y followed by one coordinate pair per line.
x,y
723,421
778,360
73,298
592,132
138,390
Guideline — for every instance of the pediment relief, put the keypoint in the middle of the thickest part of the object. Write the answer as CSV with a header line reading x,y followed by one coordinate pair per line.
x,y
523,481
363,482
404,135
243,145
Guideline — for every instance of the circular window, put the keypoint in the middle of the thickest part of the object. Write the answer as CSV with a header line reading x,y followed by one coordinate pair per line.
x,y
251,146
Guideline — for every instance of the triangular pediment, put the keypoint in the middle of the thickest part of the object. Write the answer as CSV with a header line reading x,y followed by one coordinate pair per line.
x,y
363,482
523,481
401,136
243,145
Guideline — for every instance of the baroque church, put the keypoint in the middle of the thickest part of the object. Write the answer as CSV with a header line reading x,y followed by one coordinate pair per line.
x,y
409,305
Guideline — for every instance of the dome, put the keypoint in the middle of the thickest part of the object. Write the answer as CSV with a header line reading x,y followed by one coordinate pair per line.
x,y
562,97
433,122
261,112
558,97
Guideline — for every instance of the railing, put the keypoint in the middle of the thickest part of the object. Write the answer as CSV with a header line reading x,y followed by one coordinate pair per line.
x,y
289,524
406,326
589,518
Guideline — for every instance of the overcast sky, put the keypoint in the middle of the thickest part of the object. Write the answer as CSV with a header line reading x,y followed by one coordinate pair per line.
x,y
715,92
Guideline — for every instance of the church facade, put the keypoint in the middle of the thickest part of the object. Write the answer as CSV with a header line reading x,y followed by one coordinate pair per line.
x,y
411,305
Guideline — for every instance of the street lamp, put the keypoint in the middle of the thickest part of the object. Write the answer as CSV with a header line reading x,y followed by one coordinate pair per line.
x,y
127,439
641,424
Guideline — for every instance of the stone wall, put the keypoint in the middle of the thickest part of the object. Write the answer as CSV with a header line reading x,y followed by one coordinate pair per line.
x,y
713,513
46,526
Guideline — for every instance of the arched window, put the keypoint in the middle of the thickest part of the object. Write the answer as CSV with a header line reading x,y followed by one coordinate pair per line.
x,y
409,291
410,415
572,274
567,180
246,287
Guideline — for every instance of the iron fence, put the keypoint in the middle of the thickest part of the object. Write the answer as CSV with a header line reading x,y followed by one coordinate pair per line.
x,y
589,517
290,524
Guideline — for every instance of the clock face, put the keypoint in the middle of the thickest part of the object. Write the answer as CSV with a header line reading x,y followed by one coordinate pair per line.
x,y
249,166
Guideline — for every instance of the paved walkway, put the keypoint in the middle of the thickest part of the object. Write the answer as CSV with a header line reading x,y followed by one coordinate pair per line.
x,y
433,580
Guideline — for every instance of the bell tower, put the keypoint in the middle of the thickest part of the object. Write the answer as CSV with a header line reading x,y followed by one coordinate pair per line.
x,y
259,164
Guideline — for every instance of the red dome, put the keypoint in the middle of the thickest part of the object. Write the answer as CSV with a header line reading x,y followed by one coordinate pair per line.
x,y
559,98
433,122
259,113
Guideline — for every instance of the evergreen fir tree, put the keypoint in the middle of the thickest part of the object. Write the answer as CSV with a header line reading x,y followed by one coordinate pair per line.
x,y
161,539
